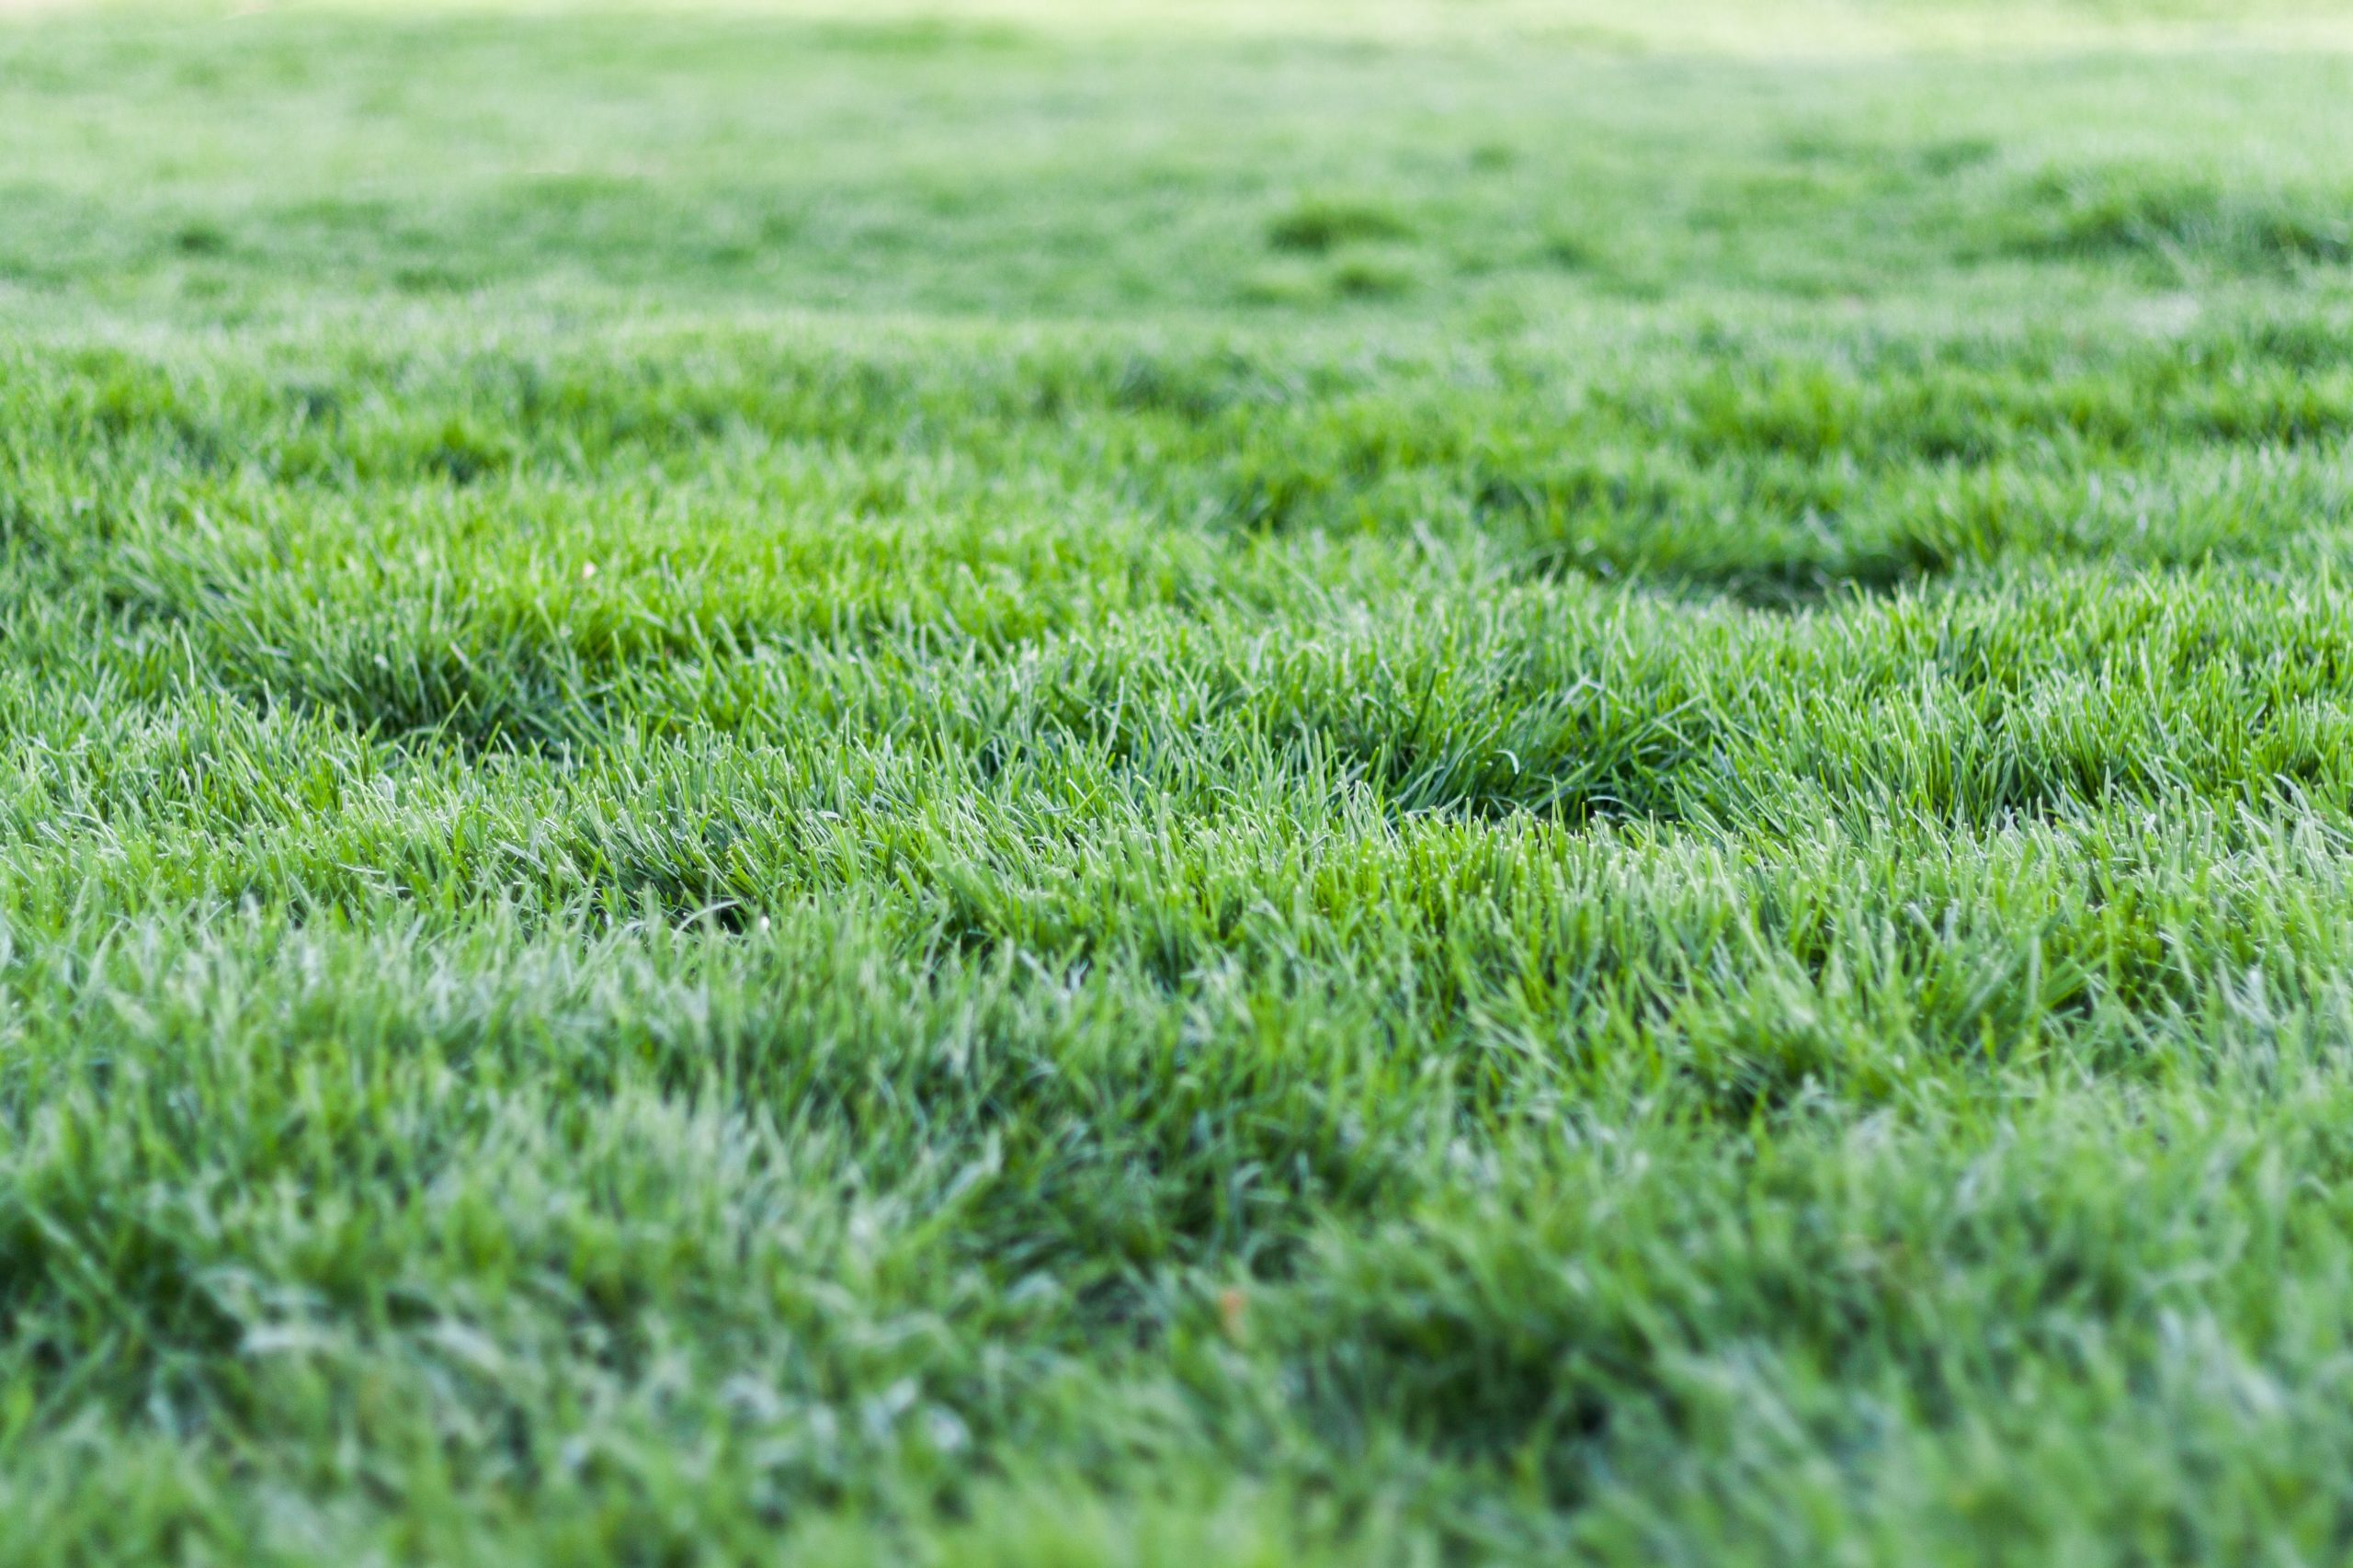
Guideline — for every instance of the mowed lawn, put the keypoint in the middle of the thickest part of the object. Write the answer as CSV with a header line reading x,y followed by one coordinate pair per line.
x,y
1190,783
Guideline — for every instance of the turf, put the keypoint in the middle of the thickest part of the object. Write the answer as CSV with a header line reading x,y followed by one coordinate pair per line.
x,y
1200,784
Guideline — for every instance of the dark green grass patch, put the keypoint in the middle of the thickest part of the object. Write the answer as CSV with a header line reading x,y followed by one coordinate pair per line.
x,y
2183,224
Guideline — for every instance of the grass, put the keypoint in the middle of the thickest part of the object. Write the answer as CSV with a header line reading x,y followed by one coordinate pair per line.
x,y
1213,784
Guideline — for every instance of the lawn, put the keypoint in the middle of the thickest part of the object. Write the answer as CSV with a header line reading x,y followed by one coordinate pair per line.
x,y
1203,783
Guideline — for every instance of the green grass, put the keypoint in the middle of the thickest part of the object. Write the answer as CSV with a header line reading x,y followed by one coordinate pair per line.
x,y
1195,784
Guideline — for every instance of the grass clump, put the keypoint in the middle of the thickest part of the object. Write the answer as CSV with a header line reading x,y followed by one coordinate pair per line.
x,y
2188,224
1321,224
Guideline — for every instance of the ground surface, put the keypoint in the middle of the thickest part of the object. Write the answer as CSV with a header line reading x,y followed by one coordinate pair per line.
x,y
1208,784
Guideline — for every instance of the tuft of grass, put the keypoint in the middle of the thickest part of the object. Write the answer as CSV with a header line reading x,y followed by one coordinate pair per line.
x,y
2182,225
1370,275
1320,223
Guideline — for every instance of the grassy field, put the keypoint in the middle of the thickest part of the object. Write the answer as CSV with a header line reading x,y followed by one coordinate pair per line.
x,y
1203,784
